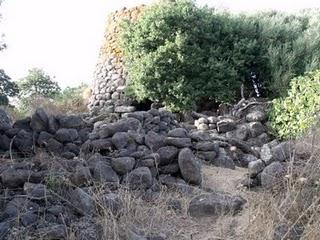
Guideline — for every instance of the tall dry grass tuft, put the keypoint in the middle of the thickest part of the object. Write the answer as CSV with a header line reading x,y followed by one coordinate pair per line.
x,y
292,209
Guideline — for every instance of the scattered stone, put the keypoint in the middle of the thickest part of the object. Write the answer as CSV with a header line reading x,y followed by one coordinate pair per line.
x,y
190,167
256,129
215,204
154,141
113,203
226,125
272,174
256,116
282,151
83,202
4,228
5,121
207,146
64,135
123,165
4,142
255,167
71,121
266,154
140,178
102,172
287,232
245,159
35,191
223,160
24,142
53,232
178,133
167,155
39,121
13,178
179,142
81,176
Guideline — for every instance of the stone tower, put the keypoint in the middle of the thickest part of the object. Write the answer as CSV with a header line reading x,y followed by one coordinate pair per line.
x,y
110,78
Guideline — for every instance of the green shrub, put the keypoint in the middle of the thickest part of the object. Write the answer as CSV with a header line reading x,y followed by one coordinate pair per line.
x,y
180,54
177,53
296,113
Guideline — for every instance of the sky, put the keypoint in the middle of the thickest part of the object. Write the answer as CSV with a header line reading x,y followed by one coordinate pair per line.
x,y
64,36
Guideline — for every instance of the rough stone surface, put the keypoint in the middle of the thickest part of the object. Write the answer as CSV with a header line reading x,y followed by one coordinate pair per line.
x,y
190,167
123,165
215,204
83,202
272,174
255,167
140,178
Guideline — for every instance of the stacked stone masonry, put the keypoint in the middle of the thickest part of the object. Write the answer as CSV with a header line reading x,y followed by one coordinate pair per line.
x,y
110,78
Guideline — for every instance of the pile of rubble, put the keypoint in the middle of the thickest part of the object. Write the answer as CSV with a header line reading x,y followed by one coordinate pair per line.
x,y
141,151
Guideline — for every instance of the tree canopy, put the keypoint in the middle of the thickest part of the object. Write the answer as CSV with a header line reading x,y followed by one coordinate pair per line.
x,y
38,83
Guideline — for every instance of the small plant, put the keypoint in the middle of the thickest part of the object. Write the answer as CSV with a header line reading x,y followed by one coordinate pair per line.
x,y
293,115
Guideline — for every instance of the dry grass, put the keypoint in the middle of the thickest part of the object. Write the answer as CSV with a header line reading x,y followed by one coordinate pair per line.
x,y
296,203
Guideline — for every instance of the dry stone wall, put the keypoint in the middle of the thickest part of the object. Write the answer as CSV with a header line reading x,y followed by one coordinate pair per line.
x,y
110,78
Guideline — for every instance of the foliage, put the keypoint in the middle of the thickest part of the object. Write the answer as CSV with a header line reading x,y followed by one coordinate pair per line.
x,y
7,88
171,62
293,115
70,100
38,83
73,99
180,54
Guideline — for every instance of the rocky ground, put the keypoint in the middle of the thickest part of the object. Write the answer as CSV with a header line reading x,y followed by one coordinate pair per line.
x,y
138,175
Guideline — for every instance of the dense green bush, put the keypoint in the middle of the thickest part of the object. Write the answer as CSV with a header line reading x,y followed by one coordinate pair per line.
x,y
179,54
296,113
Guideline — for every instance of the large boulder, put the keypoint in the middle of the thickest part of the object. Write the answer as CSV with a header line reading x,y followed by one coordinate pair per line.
x,y
207,146
226,125
13,178
39,121
255,167
282,151
43,138
4,142
65,135
167,155
140,178
71,121
120,140
272,174
123,125
215,204
154,140
178,133
224,160
24,142
190,167
103,172
256,129
83,202
123,165
5,121
179,142
256,116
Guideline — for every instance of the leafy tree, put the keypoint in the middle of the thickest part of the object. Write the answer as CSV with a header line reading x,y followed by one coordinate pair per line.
x,y
174,54
298,111
38,83
7,87
180,54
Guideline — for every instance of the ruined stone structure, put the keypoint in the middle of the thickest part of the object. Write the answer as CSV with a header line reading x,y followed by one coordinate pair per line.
x,y
110,78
